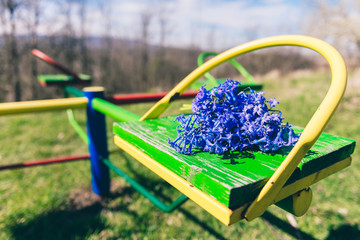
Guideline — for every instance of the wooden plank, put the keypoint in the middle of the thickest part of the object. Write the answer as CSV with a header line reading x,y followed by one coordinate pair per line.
x,y
224,214
235,179
328,150
218,210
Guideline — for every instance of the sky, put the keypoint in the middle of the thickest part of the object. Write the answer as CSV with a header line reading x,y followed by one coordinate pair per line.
x,y
216,24
209,23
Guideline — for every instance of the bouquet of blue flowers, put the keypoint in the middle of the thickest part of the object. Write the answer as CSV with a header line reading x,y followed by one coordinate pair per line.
x,y
226,119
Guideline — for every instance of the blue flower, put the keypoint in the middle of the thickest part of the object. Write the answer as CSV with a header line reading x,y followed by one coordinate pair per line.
x,y
272,102
226,119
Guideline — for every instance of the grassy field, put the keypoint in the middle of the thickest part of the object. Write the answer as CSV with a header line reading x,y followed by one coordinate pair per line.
x,y
55,201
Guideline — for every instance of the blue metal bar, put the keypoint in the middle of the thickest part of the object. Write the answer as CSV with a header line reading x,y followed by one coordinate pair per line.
x,y
100,164
98,148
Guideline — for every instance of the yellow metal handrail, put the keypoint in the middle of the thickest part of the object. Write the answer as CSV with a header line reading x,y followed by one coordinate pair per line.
x,y
314,127
42,105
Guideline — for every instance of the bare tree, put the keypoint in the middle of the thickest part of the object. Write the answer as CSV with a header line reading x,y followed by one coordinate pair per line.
x,y
337,23
69,41
164,13
106,53
32,20
3,80
159,68
84,51
145,16
211,37
9,8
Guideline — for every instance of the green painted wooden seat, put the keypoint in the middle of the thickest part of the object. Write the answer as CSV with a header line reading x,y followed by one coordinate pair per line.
x,y
235,179
244,184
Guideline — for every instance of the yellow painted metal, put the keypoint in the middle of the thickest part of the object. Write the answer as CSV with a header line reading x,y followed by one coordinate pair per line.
x,y
298,203
311,132
313,129
301,202
218,210
94,89
312,179
290,40
41,105
221,212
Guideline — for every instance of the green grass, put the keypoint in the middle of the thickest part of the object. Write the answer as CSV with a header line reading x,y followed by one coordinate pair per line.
x,y
55,201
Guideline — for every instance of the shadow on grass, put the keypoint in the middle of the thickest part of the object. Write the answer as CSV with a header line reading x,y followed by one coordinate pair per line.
x,y
342,232
158,191
286,227
61,224
81,216
345,231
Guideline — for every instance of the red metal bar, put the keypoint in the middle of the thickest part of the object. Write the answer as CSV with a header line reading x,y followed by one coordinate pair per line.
x,y
57,65
45,162
145,97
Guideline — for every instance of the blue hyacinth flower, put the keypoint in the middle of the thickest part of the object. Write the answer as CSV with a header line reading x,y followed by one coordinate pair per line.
x,y
226,119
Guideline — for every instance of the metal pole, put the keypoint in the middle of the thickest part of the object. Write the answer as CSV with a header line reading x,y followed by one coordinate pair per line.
x,y
111,110
98,149
11,108
44,162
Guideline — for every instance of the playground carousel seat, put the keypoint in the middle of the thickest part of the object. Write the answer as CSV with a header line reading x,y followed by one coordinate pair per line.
x,y
254,180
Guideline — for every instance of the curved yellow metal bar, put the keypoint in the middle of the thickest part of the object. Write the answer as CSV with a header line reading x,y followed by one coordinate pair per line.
x,y
42,105
314,127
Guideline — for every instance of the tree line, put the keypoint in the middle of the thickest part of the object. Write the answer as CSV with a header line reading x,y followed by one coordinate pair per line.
x,y
118,64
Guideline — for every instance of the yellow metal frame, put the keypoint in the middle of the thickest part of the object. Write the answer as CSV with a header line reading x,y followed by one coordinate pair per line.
x,y
218,210
42,105
312,131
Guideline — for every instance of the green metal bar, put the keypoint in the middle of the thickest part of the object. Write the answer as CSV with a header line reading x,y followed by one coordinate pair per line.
x,y
74,91
111,110
242,70
213,82
153,199
70,114
236,64
76,126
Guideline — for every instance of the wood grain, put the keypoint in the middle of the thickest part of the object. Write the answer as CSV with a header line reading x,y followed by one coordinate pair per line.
x,y
232,179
